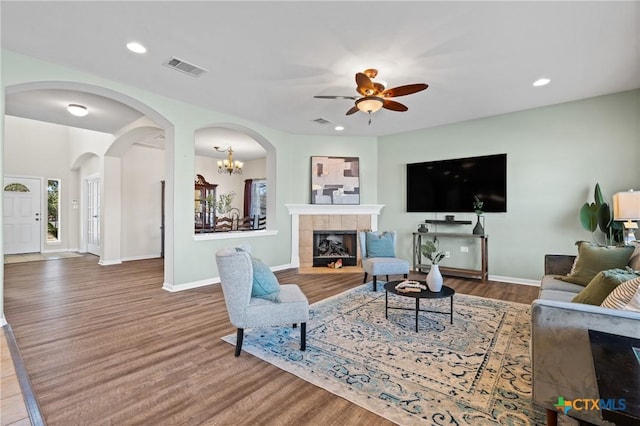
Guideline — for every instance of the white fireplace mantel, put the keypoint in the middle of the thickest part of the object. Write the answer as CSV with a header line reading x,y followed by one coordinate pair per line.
x,y
296,210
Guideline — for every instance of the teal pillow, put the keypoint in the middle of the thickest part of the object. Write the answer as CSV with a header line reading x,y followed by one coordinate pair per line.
x,y
380,245
265,283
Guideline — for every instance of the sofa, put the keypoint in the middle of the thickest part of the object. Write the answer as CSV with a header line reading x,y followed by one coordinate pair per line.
x,y
561,353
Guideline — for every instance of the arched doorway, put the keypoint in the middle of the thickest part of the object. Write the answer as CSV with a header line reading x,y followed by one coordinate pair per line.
x,y
110,166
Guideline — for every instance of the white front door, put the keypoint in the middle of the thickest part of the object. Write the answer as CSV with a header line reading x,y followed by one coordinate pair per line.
x,y
22,216
93,216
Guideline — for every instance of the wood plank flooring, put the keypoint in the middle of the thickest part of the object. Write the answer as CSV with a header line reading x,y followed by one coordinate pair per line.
x,y
106,345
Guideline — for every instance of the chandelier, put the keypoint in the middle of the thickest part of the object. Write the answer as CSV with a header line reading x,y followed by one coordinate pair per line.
x,y
229,165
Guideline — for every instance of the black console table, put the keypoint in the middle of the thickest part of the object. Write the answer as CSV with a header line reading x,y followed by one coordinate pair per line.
x,y
482,274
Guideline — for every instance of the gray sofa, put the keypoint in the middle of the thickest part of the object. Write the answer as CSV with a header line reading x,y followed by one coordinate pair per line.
x,y
560,348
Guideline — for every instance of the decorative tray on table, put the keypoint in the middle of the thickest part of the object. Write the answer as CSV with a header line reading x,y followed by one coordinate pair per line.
x,y
410,286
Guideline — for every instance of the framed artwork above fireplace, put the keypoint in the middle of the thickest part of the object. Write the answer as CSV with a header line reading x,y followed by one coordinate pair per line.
x,y
335,180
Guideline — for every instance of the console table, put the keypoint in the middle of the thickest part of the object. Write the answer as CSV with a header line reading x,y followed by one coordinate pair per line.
x,y
482,274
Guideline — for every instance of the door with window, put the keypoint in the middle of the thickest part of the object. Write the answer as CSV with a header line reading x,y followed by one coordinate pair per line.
x,y
92,215
22,230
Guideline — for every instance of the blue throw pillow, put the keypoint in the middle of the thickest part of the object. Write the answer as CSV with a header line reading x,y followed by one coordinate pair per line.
x,y
265,283
380,245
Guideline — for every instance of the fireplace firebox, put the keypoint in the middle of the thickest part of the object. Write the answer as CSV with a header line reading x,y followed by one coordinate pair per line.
x,y
330,246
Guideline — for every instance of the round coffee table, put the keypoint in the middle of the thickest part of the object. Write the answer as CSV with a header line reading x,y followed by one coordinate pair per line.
x,y
445,292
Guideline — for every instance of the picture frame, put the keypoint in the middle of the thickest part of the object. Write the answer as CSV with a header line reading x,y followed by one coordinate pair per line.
x,y
335,180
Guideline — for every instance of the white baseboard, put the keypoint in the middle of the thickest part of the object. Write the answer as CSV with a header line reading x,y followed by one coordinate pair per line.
x,y
188,286
3,321
202,283
142,257
109,262
512,280
281,267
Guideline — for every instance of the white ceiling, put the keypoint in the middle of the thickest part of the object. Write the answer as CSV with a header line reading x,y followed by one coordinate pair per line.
x,y
266,60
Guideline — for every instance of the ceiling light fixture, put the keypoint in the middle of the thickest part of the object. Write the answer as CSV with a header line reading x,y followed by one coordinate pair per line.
x,y
77,110
339,128
136,47
229,165
370,104
541,82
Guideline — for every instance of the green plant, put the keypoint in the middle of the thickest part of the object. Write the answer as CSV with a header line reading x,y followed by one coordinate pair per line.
x,y
598,215
431,252
477,205
223,204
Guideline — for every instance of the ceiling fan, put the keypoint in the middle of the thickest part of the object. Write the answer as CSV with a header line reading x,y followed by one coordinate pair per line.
x,y
375,95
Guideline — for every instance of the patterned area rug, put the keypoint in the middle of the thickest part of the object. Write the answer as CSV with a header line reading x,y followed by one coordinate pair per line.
x,y
474,372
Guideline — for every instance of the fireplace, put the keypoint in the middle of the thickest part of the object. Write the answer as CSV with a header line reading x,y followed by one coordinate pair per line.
x,y
329,246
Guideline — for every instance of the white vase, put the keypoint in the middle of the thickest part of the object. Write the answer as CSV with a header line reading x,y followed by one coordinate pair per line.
x,y
434,279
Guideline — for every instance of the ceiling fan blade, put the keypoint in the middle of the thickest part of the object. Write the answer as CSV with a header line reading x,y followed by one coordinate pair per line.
x,y
365,85
393,105
353,98
353,110
403,90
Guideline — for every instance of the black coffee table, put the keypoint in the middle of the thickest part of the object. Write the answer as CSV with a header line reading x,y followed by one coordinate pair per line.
x,y
619,383
445,292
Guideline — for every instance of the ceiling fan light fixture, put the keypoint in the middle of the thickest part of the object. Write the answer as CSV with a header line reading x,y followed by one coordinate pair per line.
x,y
77,110
370,104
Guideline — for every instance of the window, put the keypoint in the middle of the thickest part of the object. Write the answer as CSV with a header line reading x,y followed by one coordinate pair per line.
x,y
258,197
53,208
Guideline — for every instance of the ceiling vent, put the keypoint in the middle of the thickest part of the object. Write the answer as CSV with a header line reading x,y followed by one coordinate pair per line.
x,y
321,121
185,67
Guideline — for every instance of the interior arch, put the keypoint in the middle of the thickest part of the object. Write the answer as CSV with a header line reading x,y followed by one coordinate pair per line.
x,y
271,160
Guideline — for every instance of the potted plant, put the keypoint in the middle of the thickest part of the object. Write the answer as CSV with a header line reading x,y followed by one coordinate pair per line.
x,y
477,208
598,215
434,277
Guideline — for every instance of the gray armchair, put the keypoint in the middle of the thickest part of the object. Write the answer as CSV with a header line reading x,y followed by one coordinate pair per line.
x,y
385,265
236,277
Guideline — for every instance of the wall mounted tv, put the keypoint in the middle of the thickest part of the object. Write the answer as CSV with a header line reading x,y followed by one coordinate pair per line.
x,y
450,185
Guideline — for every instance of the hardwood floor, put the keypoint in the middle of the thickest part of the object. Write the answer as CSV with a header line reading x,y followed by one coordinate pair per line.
x,y
106,345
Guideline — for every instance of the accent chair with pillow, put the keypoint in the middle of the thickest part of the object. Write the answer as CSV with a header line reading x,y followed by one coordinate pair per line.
x,y
597,290
378,251
254,298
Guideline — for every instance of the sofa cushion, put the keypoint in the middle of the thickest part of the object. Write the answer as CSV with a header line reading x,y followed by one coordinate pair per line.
x,y
557,295
593,258
602,285
634,303
634,260
554,282
622,295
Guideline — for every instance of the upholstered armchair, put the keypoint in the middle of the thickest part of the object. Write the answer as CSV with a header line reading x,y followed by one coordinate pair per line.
x,y
288,306
378,256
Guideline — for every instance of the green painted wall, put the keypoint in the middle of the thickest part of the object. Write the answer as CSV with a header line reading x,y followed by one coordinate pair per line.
x,y
555,156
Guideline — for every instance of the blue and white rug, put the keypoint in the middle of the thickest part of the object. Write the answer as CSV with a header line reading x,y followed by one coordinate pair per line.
x,y
474,372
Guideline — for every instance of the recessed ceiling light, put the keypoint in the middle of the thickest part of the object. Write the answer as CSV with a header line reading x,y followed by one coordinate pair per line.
x,y
77,110
136,47
339,128
541,82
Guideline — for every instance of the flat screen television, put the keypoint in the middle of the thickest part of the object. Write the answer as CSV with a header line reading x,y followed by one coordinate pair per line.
x,y
450,185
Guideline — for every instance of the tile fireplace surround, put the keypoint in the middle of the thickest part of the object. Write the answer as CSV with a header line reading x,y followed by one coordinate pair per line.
x,y
305,218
